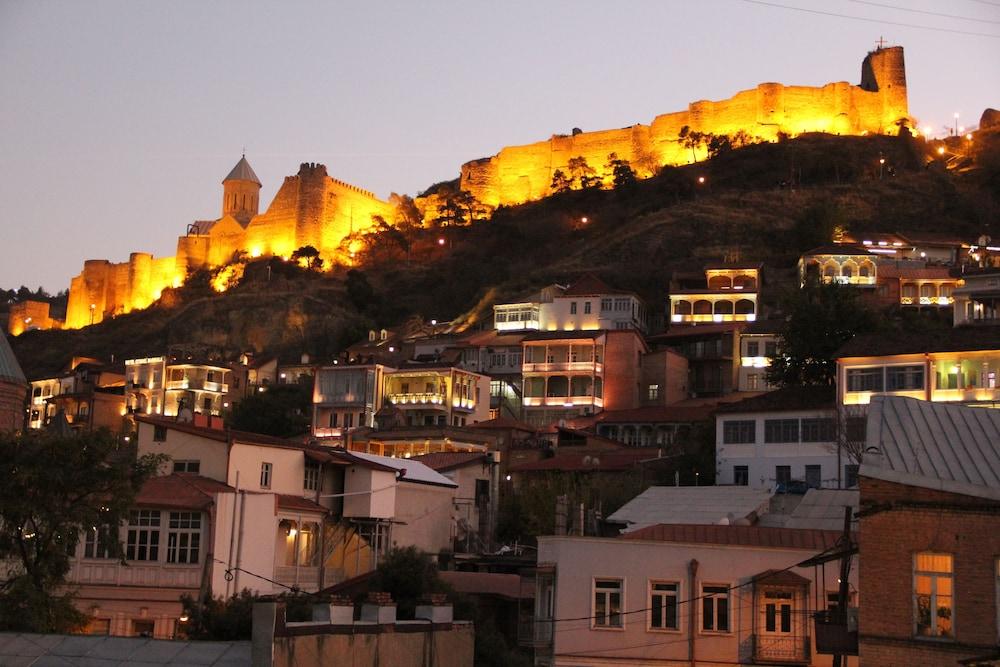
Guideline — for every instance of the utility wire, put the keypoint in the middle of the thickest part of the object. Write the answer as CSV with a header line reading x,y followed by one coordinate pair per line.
x,y
987,2
869,20
922,11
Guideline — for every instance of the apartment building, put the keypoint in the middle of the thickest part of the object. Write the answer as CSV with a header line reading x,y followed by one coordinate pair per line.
x,y
758,345
165,385
728,292
588,304
89,393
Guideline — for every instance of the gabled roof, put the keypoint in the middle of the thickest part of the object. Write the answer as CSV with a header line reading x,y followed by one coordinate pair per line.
x,y
692,504
590,285
787,399
180,491
505,423
10,370
298,504
943,446
839,249
242,172
444,461
743,536
412,471
678,331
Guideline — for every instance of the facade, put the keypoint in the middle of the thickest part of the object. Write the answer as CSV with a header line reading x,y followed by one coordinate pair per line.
x,y
89,393
930,535
713,354
346,397
588,304
758,345
166,385
681,594
841,263
961,366
430,395
784,436
476,499
977,301
13,390
729,293
660,426
31,315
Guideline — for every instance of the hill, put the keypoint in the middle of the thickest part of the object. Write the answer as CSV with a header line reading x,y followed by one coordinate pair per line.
x,y
763,203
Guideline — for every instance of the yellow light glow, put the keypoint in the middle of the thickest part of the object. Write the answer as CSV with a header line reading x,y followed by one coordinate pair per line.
x,y
255,252
940,150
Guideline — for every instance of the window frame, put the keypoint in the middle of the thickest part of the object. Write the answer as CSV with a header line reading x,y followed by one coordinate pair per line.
x,y
266,473
741,480
934,576
738,438
594,625
711,597
310,476
675,594
184,537
778,431
141,522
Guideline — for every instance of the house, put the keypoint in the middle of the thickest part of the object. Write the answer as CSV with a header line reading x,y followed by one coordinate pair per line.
x,y
588,304
841,263
960,365
728,292
929,534
13,390
346,397
911,245
682,594
88,392
475,500
408,441
166,385
793,433
758,344
977,301
713,354
659,426
917,284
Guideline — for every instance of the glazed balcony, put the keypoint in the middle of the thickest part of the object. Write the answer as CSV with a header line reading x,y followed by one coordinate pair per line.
x,y
111,572
564,366
418,399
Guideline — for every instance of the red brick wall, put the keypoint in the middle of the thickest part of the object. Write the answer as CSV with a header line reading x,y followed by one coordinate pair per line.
x,y
12,398
888,541
622,363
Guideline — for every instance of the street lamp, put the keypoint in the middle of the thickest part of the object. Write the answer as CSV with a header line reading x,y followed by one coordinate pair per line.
x,y
93,307
881,166
956,123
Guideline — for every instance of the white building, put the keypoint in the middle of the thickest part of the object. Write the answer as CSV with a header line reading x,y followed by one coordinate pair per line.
x,y
588,304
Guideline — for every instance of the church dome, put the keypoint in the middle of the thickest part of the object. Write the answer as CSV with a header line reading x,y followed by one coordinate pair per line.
x,y
242,172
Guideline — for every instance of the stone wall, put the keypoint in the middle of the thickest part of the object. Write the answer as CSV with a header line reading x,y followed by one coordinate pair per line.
x,y
522,173
30,315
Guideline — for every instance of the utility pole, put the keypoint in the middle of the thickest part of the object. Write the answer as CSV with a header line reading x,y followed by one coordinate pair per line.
x,y
843,593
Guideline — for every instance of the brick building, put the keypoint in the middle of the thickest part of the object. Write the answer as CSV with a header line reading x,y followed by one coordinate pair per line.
x,y
929,534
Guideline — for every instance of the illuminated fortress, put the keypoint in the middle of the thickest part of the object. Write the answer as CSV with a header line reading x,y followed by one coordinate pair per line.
x,y
311,208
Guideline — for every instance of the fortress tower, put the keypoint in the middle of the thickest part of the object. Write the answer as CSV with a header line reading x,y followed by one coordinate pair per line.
x,y
241,192
883,71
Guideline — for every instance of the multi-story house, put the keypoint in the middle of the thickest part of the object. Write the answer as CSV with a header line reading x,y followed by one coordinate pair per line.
x,y
929,535
168,384
842,263
791,434
713,354
346,397
728,292
674,594
577,373
915,284
588,304
977,301
89,393
958,365
758,345
234,510
437,395
917,246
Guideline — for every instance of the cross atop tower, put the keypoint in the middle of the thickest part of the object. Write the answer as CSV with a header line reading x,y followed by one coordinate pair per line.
x,y
881,43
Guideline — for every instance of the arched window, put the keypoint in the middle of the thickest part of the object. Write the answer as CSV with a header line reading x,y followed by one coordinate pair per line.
x,y
723,307
928,291
866,269
745,283
909,290
831,270
744,307
720,282
682,307
702,307
849,269
581,385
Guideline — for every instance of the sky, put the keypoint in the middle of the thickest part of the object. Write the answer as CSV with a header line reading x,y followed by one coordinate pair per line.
x,y
119,119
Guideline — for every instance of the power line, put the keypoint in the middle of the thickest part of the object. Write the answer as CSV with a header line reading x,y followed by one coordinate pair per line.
x,y
922,11
987,2
869,20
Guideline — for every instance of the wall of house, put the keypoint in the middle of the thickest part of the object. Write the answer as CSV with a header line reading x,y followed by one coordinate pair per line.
x,y
245,536
579,560
12,401
108,411
668,370
888,541
426,514
372,493
288,468
212,454
623,352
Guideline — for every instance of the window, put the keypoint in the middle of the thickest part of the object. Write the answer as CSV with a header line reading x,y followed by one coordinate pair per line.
x,y
607,603
100,542
818,430
143,628
572,307
143,541
605,304
741,475
187,466
814,476
159,433
311,480
782,474
778,611
206,403
864,379
586,308
663,605
654,392
753,381
904,378
771,349
753,349
715,608
265,475
932,594
739,432
781,430
850,475
183,537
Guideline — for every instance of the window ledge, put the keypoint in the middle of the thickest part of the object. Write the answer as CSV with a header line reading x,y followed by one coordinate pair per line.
x,y
607,628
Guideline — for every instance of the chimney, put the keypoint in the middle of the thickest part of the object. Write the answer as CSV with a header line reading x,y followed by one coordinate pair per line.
x,y
379,608
435,608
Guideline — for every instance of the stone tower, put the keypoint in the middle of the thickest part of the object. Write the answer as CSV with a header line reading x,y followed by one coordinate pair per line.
x,y
884,72
241,192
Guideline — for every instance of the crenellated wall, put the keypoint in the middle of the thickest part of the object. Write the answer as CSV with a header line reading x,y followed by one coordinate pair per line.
x,y
521,173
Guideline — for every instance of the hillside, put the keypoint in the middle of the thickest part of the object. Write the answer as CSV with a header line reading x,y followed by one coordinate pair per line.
x,y
764,203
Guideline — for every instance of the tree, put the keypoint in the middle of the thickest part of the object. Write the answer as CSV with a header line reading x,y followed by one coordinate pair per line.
x,y
719,144
281,410
311,256
692,139
55,488
821,317
408,574
560,181
581,172
359,290
622,173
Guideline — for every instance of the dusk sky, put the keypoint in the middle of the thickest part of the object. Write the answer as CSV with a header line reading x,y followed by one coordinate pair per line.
x,y
118,120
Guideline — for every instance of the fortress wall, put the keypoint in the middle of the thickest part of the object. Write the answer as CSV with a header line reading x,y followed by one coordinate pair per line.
x,y
224,239
273,232
348,209
140,268
163,273
85,289
192,253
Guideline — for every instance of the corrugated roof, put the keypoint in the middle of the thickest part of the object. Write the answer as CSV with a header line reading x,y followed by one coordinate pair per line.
x,y
691,505
9,368
746,536
242,172
413,471
942,446
818,508
590,285
442,461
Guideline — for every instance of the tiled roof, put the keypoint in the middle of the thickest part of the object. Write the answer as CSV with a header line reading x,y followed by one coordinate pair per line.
x,y
443,461
242,172
735,266
564,335
412,470
915,272
10,370
180,491
298,504
942,446
786,399
504,423
591,461
590,285
958,339
677,331
655,415
745,536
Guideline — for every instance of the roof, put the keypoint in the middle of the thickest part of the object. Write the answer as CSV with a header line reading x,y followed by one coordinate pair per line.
x,y
444,461
958,339
93,650
590,285
915,272
509,586
413,471
657,414
180,491
504,423
744,536
10,370
765,327
839,249
818,508
691,504
564,335
786,399
734,266
242,172
611,460
686,330
943,446
299,504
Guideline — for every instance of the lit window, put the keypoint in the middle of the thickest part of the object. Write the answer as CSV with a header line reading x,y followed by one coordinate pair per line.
x,y
311,480
864,379
265,475
715,608
933,580
654,392
904,378
753,349
663,601
608,603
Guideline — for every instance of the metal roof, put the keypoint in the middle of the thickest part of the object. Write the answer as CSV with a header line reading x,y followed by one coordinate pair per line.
x,y
242,172
943,446
413,471
691,505
69,650
9,368
744,536
821,509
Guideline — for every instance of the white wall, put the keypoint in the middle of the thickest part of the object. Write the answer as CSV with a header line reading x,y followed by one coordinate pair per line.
x,y
185,446
287,468
370,493
426,513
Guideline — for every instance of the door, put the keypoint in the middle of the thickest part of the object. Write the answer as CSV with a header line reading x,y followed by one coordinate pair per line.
x,y
814,478
778,637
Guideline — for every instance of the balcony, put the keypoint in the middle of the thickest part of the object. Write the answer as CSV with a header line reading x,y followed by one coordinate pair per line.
x,y
463,404
425,399
178,384
112,573
836,632
563,366
534,633
563,401
216,387
858,281
774,649
926,301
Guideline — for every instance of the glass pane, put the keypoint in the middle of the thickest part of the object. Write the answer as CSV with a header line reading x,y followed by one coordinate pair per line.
x,y
923,603
723,608
943,585
944,615
671,609
923,585
786,618
600,609
769,618
615,608
707,610
657,612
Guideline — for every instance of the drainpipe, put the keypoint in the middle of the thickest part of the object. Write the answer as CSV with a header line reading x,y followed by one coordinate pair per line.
x,y
232,530
927,377
239,542
692,616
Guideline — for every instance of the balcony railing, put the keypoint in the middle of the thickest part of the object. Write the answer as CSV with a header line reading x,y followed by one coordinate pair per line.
x,y
563,401
536,633
463,403
111,572
178,384
563,366
420,399
216,386
783,649
926,300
